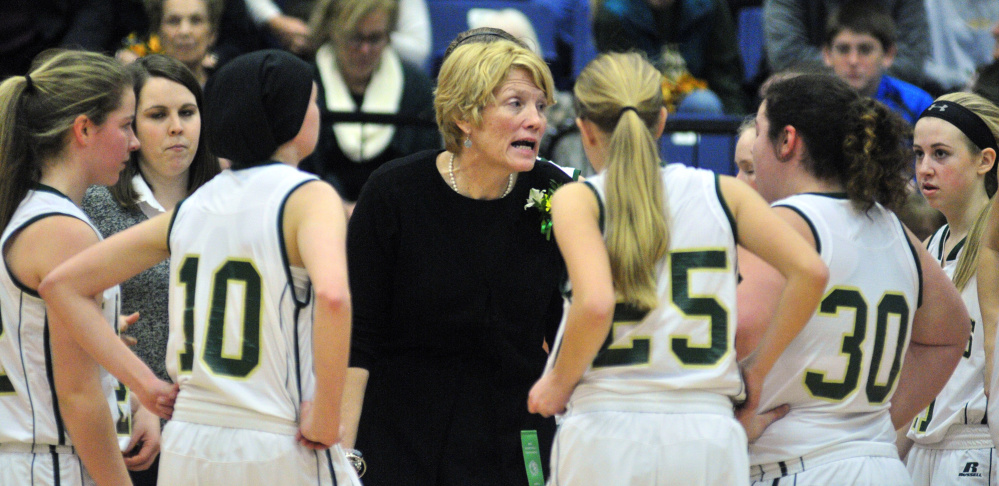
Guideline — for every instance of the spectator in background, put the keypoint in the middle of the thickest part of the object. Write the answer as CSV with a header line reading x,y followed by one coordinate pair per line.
x,y
961,40
110,25
410,37
357,71
702,32
187,29
795,33
860,47
986,79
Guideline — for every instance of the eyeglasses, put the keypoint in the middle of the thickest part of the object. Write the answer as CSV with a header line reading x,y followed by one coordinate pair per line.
x,y
374,41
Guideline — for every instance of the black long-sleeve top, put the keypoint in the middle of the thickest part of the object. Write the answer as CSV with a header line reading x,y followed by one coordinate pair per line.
x,y
452,299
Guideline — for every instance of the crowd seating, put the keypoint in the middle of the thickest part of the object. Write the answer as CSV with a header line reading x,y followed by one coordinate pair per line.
x,y
695,140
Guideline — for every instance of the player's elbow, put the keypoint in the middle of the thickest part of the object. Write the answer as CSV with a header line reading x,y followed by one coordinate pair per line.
x,y
597,307
334,298
52,285
814,274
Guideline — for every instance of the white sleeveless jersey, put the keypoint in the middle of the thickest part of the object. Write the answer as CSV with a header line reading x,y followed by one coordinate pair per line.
x,y
962,400
686,343
29,407
840,372
240,342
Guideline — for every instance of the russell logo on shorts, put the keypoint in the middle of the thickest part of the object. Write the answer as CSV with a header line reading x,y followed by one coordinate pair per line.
x,y
970,470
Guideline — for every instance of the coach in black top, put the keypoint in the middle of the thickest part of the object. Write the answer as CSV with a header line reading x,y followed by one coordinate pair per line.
x,y
456,287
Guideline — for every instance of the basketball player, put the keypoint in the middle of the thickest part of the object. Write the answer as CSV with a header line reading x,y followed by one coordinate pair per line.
x,y
955,145
259,306
63,420
834,162
652,392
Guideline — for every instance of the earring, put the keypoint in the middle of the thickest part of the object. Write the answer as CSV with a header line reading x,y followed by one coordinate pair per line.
x,y
468,143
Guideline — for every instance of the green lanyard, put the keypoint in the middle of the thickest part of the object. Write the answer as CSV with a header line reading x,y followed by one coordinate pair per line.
x,y
532,458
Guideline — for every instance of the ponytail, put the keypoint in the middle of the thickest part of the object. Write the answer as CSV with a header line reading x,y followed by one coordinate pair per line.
x,y
877,163
16,170
620,93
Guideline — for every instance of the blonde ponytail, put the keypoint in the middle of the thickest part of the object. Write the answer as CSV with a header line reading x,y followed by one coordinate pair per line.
x,y
620,93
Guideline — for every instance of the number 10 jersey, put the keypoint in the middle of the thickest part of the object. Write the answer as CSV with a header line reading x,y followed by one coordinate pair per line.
x,y
840,372
240,342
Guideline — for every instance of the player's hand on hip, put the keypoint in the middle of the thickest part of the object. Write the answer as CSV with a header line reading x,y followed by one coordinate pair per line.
x,y
317,433
755,424
158,397
547,398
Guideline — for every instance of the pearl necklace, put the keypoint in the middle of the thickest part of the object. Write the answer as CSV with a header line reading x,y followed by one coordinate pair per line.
x,y
454,185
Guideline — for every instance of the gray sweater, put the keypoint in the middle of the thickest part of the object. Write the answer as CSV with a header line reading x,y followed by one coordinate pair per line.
x,y
147,293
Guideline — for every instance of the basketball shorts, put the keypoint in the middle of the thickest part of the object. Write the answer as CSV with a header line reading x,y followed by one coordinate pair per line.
x,y
854,471
196,454
951,467
41,464
641,448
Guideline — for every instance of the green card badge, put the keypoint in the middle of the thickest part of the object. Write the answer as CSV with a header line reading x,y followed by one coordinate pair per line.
x,y
532,457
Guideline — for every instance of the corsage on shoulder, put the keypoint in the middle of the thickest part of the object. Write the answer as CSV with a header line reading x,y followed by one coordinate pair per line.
x,y
541,199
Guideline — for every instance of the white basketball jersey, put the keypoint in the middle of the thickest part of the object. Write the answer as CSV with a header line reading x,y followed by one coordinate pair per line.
x,y
29,407
686,343
240,342
962,400
840,372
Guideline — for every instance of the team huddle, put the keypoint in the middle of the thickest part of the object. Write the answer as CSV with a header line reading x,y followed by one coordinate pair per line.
x,y
685,327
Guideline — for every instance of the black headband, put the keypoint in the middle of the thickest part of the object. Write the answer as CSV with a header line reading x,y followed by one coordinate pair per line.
x,y
481,34
970,124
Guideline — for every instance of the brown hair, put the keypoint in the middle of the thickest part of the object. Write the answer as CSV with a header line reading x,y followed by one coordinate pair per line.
x,y
38,110
204,166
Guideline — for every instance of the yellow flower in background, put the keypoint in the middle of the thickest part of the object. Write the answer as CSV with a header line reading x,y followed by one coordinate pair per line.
x,y
674,90
140,47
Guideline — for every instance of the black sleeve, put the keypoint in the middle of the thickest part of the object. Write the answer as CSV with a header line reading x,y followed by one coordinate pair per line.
x,y
371,255
723,65
100,25
608,32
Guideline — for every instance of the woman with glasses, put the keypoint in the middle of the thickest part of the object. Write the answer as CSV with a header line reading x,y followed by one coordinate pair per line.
x,y
357,71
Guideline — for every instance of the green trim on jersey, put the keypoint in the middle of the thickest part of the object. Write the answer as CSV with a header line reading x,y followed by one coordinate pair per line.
x,y
811,226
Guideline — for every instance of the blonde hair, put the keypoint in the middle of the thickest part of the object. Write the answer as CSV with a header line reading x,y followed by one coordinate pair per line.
x,y
638,230
35,118
967,263
344,16
469,76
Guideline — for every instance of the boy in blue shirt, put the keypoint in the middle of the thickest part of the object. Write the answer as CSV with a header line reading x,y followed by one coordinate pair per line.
x,y
859,47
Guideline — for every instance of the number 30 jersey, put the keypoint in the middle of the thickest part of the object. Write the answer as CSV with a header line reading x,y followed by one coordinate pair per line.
x,y
686,343
840,372
240,342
